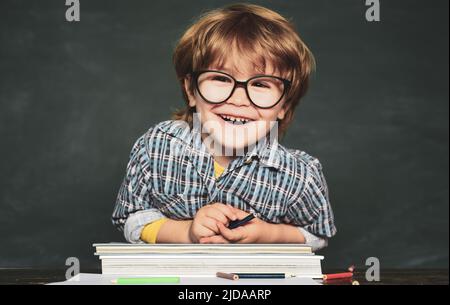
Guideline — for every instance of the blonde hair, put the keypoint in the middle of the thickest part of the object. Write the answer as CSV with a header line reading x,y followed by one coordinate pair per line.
x,y
259,34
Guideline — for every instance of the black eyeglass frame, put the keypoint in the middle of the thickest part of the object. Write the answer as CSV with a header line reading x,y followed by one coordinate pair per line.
x,y
243,84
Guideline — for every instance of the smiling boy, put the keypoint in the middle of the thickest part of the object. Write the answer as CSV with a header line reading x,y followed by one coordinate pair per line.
x,y
243,70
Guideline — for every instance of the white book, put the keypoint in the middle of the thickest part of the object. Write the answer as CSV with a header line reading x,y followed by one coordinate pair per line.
x,y
199,260
209,261
122,248
313,271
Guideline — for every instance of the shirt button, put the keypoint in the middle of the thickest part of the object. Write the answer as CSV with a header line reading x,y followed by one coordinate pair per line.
x,y
249,160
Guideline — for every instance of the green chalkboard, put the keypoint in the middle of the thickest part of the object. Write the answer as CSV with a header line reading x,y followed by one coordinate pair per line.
x,y
74,96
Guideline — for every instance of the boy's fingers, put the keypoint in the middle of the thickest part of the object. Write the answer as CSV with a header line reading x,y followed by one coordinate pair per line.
x,y
210,224
207,232
216,239
217,215
229,234
204,240
226,210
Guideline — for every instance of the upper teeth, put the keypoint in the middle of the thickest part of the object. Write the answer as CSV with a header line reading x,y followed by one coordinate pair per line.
x,y
235,119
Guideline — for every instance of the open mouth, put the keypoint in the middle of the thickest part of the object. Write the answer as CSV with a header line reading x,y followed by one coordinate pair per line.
x,y
234,120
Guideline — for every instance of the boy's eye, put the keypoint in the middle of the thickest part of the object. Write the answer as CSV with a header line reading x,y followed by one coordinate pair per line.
x,y
261,84
220,78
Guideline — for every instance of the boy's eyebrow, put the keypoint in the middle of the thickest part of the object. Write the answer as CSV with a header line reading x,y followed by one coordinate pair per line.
x,y
224,69
233,71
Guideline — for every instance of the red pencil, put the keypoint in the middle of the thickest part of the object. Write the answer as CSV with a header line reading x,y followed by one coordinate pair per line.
x,y
337,275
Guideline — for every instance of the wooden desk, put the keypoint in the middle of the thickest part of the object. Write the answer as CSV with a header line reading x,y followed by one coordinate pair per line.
x,y
388,277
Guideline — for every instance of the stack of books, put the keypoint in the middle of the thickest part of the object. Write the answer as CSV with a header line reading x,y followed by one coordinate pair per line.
x,y
204,260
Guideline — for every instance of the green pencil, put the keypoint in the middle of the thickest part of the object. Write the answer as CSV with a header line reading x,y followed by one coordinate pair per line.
x,y
146,280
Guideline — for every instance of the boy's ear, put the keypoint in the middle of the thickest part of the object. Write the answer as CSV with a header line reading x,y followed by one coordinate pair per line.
x,y
282,112
187,88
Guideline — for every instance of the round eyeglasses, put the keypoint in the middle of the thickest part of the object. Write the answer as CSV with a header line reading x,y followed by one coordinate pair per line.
x,y
264,91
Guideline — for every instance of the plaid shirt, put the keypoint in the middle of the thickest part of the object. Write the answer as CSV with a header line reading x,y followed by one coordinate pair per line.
x,y
171,174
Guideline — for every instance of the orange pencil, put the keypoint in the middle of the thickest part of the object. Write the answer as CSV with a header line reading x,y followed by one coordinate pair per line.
x,y
337,275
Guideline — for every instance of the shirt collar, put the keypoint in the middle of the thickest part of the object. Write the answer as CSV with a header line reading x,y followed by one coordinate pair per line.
x,y
267,151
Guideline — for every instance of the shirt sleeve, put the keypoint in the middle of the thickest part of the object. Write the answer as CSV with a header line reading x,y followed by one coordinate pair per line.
x,y
314,241
311,209
134,206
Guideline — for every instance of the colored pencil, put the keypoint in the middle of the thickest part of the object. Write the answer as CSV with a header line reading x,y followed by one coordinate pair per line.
x,y
146,280
337,275
228,276
264,275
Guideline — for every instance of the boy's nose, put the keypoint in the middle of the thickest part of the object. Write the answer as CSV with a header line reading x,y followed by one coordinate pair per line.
x,y
239,97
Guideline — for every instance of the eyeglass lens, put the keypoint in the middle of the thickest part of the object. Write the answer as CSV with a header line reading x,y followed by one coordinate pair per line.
x,y
216,87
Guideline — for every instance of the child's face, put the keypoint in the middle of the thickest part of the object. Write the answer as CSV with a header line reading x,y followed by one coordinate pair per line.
x,y
225,133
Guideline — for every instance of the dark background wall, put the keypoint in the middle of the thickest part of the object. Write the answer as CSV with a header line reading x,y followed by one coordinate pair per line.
x,y
75,96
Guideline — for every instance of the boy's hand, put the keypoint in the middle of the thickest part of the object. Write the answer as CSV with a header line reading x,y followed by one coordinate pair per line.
x,y
251,232
207,220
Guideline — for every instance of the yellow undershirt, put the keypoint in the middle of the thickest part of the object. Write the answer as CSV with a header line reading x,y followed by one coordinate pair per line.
x,y
150,231
218,169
